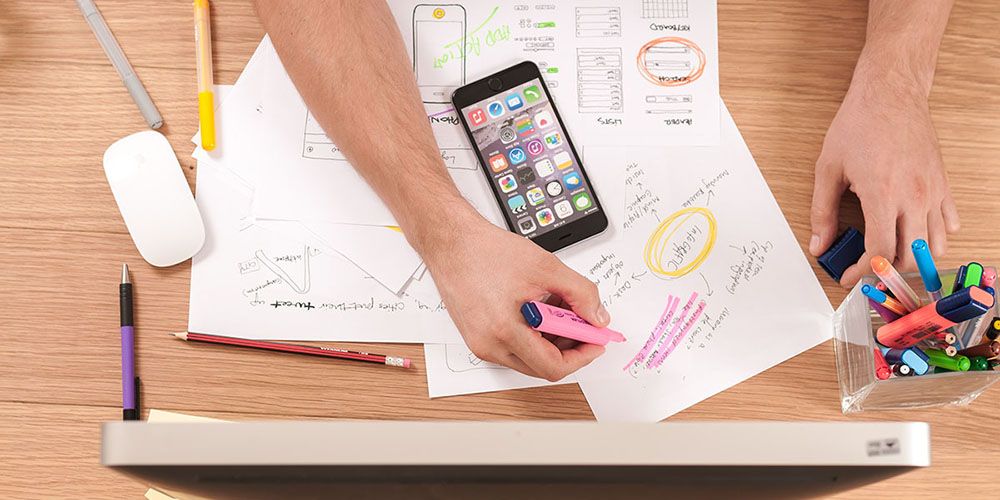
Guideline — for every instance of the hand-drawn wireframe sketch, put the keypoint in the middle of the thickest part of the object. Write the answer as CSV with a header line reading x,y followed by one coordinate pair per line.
x,y
315,143
652,9
439,45
598,22
298,286
671,61
669,104
460,359
599,80
455,154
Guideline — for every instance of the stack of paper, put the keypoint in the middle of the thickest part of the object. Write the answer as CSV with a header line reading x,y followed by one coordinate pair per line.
x,y
692,265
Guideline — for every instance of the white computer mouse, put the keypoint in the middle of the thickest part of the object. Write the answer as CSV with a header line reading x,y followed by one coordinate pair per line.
x,y
154,198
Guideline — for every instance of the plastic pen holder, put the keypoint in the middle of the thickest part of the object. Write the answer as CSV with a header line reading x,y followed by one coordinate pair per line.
x,y
854,326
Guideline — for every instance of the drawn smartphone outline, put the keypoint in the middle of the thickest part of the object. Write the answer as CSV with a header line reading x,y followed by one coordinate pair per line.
x,y
449,24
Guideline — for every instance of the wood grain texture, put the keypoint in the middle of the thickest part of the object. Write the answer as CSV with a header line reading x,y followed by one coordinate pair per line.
x,y
785,65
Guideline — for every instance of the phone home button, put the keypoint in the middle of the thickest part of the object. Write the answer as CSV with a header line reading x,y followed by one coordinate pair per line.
x,y
495,84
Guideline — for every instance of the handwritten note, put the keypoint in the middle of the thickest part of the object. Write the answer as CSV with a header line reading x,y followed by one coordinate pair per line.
x,y
726,292
250,281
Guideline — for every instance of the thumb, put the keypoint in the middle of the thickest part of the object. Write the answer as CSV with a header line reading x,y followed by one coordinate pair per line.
x,y
579,293
827,190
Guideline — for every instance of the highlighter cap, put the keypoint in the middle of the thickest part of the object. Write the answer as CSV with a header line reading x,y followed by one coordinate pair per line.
x,y
925,263
965,304
881,265
531,314
978,364
843,253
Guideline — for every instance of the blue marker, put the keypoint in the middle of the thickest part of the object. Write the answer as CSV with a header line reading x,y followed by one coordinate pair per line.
x,y
888,302
928,271
874,293
912,357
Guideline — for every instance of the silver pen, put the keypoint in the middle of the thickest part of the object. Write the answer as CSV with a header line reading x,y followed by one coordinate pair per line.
x,y
118,60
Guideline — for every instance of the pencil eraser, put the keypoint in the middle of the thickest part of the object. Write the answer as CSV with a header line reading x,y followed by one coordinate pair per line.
x,y
406,363
844,253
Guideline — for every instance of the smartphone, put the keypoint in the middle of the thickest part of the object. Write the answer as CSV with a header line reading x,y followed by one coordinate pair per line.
x,y
438,50
530,161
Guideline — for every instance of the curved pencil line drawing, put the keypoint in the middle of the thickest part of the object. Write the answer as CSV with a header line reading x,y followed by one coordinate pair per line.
x,y
472,362
281,273
659,242
657,57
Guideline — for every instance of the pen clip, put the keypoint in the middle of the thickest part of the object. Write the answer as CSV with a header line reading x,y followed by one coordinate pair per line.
x,y
138,407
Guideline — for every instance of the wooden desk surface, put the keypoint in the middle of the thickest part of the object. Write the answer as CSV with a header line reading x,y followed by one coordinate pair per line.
x,y
785,66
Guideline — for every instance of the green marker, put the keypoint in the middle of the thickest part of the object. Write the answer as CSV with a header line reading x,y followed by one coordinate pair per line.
x,y
551,70
979,364
938,358
973,274
549,24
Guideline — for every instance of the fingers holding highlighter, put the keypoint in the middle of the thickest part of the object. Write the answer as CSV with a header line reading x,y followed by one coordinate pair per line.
x,y
484,297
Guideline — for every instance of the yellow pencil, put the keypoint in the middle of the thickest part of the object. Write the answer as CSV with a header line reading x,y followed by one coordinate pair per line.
x,y
206,100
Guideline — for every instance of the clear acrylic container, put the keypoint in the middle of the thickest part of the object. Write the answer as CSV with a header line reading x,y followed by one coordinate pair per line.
x,y
854,325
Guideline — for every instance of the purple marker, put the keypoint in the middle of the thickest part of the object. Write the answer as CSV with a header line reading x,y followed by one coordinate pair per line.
x,y
130,383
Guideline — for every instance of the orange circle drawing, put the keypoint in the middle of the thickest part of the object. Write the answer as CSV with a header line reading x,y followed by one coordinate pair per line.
x,y
668,45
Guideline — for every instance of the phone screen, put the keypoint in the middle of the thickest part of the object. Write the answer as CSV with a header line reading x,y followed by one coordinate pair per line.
x,y
529,160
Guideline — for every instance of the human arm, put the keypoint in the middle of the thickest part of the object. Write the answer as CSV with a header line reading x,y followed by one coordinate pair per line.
x,y
882,144
348,61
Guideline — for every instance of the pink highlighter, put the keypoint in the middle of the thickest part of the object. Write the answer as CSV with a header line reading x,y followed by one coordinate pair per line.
x,y
564,323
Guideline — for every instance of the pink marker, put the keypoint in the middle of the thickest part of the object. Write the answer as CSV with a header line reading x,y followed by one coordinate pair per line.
x,y
564,323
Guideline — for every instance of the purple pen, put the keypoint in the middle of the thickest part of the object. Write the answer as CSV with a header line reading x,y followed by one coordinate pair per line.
x,y
130,383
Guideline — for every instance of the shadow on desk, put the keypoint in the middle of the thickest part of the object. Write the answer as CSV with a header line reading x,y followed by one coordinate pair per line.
x,y
492,482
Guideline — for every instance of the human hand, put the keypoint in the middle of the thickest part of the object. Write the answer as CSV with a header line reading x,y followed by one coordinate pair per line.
x,y
882,145
484,274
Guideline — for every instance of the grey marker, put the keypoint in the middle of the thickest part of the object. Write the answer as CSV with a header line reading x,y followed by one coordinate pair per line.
x,y
118,60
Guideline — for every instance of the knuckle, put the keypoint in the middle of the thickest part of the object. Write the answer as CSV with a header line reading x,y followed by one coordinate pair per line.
x,y
503,335
553,375
818,212
481,349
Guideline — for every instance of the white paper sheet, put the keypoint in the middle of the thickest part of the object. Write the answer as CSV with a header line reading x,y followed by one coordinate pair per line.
x,y
250,282
381,252
452,370
706,241
620,72
749,321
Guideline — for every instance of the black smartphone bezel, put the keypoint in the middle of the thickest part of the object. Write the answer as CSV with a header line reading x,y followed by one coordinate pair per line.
x,y
509,78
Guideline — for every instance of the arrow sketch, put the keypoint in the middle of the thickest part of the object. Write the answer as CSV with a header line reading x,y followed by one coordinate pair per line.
x,y
710,292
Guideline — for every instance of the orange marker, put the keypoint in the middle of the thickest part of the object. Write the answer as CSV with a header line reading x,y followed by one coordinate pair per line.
x,y
892,279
